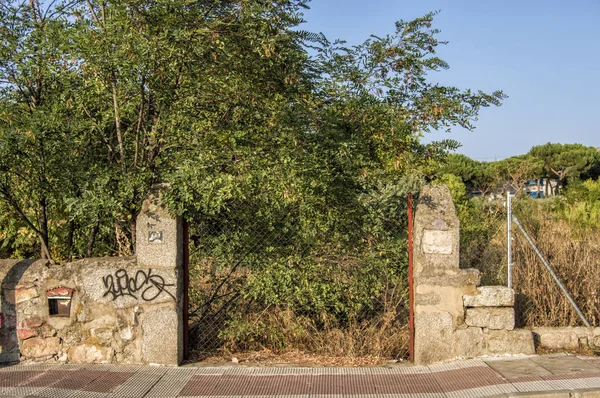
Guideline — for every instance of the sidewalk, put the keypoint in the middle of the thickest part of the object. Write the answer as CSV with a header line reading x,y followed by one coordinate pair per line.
x,y
543,376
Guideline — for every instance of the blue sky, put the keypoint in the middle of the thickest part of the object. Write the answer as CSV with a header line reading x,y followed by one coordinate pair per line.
x,y
545,55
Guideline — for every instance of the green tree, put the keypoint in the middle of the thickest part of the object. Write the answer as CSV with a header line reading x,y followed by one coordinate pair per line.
x,y
517,170
565,160
479,176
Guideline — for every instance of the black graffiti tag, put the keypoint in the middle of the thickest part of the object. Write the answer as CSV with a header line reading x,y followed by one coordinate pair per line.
x,y
121,284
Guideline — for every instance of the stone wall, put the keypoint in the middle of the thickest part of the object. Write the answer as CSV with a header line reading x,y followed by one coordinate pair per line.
x,y
571,339
102,310
453,317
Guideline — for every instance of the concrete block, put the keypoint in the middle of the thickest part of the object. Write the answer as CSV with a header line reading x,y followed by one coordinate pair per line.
x,y
491,318
161,337
518,341
490,296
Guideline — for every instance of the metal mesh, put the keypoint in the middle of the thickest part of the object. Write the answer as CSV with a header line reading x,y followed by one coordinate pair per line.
x,y
317,278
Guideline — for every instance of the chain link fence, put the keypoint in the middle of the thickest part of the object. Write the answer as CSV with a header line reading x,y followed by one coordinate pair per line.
x,y
314,277
572,251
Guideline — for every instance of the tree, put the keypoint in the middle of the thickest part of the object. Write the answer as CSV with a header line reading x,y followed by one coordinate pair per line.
x,y
517,170
565,160
37,130
101,99
479,176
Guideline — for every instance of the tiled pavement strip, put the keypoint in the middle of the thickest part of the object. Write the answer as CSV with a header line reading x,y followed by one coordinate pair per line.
x,y
537,376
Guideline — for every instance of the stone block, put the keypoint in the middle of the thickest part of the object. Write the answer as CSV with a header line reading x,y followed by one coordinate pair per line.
x,y
491,318
427,299
159,236
37,347
90,353
490,296
102,335
161,340
25,294
469,343
437,242
127,334
33,322
436,233
434,338
468,277
557,338
518,341
24,334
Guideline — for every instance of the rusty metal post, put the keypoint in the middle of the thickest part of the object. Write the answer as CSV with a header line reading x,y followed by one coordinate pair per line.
x,y
186,285
411,293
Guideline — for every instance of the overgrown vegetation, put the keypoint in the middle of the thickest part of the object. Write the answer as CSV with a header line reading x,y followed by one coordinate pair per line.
x,y
565,228
292,167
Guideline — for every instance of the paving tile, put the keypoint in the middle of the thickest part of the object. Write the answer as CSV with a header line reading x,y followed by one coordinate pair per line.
x,y
166,389
252,385
512,369
529,386
51,392
410,370
16,378
593,382
567,384
281,371
209,371
200,385
125,368
440,367
179,373
108,382
465,379
407,384
78,379
564,364
488,391
47,379
137,385
88,394
170,385
565,376
595,361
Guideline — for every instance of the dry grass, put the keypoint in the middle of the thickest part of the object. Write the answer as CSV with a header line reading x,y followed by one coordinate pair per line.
x,y
279,336
573,251
314,338
575,257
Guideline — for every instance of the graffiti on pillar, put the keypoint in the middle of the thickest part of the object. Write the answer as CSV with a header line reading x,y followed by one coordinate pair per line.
x,y
144,285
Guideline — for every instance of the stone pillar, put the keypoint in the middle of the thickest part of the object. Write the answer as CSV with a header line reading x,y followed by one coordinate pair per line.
x,y
159,246
439,283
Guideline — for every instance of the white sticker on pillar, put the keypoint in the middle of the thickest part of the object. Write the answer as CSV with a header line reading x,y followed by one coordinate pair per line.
x,y
437,242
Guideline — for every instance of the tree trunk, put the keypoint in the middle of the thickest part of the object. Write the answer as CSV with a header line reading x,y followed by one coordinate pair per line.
x,y
43,230
70,241
132,228
92,240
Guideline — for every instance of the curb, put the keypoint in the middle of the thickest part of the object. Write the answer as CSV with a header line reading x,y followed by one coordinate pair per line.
x,y
575,393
